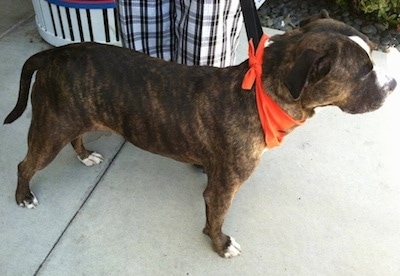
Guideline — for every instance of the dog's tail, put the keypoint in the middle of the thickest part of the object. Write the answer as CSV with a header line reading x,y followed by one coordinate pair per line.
x,y
30,66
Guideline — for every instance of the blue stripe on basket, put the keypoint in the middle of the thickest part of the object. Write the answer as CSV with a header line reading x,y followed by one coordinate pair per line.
x,y
84,4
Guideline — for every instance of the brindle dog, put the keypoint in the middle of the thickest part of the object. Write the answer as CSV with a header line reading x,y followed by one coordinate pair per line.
x,y
193,114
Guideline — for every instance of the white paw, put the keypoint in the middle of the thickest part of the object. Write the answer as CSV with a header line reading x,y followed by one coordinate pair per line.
x,y
93,159
233,249
31,204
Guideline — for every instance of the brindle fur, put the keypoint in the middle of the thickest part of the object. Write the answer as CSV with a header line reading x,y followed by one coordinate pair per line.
x,y
194,114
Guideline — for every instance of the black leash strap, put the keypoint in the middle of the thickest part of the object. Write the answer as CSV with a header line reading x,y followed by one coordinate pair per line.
x,y
251,21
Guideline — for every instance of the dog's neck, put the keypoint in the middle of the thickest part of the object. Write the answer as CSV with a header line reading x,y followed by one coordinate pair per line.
x,y
276,122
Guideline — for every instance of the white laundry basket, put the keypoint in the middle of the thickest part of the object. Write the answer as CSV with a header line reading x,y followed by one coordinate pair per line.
x,y
61,22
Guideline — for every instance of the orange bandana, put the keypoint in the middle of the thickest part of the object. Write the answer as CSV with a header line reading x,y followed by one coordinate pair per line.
x,y
274,120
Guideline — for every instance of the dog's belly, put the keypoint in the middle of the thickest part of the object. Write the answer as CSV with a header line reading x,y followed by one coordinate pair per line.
x,y
181,154
171,140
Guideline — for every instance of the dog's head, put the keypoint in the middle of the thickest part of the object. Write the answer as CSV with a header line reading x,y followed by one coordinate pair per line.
x,y
327,62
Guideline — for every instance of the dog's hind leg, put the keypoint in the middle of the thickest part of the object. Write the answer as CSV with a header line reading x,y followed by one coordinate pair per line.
x,y
42,150
87,157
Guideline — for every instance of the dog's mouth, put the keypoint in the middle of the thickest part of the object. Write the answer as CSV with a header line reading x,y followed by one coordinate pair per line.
x,y
373,97
361,110
361,105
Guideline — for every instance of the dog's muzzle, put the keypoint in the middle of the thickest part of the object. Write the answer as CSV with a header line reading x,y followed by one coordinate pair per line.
x,y
390,85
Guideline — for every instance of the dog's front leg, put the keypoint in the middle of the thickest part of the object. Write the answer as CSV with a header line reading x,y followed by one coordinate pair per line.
x,y
218,198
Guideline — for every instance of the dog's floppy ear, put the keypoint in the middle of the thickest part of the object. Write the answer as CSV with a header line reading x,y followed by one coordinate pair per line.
x,y
321,15
310,67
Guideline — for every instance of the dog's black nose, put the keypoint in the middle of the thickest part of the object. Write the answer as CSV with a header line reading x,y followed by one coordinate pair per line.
x,y
391,85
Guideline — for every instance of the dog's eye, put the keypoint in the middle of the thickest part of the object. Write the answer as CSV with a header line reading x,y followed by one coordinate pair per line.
x,y
365,69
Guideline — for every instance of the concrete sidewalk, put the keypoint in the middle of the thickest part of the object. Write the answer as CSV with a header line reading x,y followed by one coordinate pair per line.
x,y
325,203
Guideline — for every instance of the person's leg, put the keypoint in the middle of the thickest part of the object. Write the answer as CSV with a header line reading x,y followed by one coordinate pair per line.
x,y
207,32
146,26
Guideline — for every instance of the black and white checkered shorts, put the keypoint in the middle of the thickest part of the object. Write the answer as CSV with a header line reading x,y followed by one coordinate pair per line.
x,y
201,32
